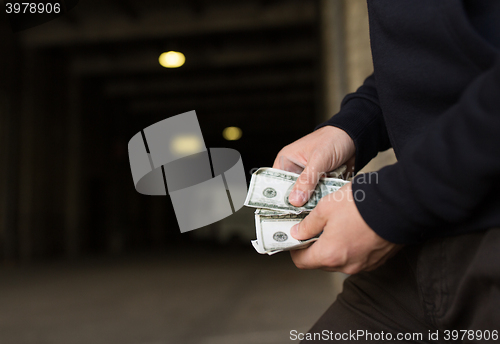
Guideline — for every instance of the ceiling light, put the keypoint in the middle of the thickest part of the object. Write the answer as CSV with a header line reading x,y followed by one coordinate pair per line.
x,y
172,59
186,145
232,133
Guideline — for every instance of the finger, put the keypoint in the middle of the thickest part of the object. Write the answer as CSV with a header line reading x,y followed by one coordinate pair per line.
x,y
309,227
286,164
277,162
308,258
306,183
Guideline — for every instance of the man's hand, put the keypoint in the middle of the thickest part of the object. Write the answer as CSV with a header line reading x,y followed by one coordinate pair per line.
x,y
321,151
347,243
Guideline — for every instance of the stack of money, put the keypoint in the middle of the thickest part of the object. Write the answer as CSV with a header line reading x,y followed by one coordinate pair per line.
x,y
275,216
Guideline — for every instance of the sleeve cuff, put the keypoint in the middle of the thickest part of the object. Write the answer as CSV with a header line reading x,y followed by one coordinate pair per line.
x,y
363,121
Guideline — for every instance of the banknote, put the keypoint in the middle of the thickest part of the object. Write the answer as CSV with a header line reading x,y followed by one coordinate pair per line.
x,y
275,216
270,188
273,231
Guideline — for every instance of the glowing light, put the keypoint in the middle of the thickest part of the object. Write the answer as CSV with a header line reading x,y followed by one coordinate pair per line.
x,y
172,59
232,133
186,145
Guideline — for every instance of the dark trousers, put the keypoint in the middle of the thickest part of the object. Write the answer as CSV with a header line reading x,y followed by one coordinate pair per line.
x,y
447,290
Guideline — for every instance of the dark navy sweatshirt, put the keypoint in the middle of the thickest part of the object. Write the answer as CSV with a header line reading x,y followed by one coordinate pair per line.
x,y
434,96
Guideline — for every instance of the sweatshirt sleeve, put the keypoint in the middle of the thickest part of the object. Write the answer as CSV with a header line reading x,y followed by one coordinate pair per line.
x,y
445,176
361,118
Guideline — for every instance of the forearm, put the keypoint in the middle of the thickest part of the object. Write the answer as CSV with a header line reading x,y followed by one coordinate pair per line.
x,y
445,175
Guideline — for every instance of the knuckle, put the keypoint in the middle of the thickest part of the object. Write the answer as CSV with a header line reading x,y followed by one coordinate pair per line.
x,y
349,270
352,269
319,211
304,227
278,158
325,258
283,152
298,263
286,148
329,260
300,266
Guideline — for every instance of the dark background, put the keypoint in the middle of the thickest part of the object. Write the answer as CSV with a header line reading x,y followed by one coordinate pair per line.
x,y
79,88
84,258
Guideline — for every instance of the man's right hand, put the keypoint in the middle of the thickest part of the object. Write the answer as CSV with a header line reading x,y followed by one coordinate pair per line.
x,y
321,151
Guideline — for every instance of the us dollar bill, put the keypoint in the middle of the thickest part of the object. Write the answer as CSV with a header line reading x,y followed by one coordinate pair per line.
x,y
273,231
270,188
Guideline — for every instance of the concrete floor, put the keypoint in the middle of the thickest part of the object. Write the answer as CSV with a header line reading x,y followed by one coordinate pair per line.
x,y
188,296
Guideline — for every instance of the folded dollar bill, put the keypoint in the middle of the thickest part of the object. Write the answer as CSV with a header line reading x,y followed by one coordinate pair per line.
x,y
273,231
275,216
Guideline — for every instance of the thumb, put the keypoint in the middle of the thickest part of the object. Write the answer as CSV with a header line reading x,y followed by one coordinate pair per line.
x,y
305,184
309,227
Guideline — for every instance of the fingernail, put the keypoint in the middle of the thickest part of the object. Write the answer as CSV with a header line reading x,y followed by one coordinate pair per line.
x,y
297,197
294,231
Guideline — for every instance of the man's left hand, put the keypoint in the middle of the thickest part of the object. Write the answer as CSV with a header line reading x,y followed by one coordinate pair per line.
x,y
347,243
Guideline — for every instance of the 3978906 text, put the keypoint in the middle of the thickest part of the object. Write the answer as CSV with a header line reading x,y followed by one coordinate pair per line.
x,y
32,7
